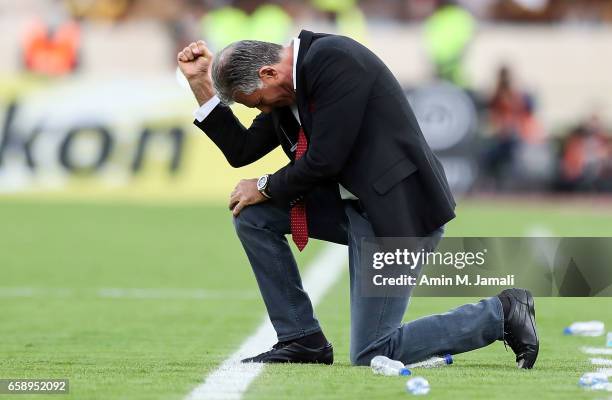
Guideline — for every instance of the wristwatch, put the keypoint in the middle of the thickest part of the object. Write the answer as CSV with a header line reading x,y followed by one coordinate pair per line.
x,y
262,185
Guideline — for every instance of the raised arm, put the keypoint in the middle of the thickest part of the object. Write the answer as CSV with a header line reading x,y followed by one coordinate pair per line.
x,y
240,146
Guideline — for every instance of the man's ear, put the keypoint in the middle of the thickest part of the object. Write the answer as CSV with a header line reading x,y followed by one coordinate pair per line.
x,y
268,72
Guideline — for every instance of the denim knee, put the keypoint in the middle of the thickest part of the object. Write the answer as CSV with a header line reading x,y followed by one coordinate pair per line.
x,y
251,217
242,220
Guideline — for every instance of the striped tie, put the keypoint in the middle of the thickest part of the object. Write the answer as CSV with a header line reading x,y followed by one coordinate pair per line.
x,y
299,227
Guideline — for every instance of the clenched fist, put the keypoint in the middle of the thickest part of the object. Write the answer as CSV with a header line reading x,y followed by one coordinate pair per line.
x,y
195,62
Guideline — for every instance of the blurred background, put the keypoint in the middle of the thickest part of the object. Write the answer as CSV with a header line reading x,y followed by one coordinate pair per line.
x,y
514,95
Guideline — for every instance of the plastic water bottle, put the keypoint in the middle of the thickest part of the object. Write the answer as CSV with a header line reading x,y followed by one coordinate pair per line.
x,y
593,381
433,362
590,328
417,385
609,339
382,365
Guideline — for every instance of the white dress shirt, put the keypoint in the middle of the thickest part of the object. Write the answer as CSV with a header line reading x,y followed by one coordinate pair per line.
x,y
206,108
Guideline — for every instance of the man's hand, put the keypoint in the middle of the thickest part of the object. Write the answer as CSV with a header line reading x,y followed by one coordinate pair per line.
x,y
195,62
245,194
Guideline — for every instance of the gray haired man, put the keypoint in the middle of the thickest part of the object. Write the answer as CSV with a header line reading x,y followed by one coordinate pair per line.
x,y
359,167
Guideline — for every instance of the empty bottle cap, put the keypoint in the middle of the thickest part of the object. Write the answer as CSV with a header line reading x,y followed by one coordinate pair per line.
x,y
448,359
567,331
405,372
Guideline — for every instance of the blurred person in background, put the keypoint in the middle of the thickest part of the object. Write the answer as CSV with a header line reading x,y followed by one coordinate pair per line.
x,y
606,181
448,33
589,11
99,9
239,20
346,14
513,126
50,46
527,10
586,158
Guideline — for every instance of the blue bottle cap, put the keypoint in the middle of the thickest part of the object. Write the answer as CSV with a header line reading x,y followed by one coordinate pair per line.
x,y
448,359
405,372
567,331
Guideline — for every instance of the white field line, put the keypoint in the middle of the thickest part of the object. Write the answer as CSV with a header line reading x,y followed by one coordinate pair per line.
x,y
175,294
128,293
607,351
232,378
604,362
16,292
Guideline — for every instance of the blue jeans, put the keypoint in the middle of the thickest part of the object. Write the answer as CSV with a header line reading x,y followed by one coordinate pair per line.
x,y
376,322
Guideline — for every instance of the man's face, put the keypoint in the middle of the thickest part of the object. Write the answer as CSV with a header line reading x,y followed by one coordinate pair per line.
x,y
276,91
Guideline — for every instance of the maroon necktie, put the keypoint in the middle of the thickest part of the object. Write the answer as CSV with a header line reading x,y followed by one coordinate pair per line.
x,y
299,227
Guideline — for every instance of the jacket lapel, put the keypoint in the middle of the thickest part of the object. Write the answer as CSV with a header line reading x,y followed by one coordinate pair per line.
x,y
306,38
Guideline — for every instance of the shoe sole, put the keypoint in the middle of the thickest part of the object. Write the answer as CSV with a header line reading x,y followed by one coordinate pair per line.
x,y
528,362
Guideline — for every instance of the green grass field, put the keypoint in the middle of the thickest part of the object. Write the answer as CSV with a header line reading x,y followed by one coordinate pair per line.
x,y
63,315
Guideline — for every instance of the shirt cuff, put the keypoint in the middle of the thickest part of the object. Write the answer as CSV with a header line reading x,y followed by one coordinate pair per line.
x,y
206,108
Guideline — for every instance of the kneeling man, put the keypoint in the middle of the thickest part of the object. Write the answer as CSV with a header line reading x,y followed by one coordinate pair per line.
x,y
359,167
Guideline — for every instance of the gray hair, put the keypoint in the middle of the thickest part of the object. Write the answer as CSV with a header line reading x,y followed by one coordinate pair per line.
x,y
236,67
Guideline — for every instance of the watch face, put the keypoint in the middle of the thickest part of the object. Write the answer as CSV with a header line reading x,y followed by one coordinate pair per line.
x,y
261,182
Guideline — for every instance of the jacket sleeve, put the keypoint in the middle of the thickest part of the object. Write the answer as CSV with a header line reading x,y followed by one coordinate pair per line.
x,y
240,146
338,87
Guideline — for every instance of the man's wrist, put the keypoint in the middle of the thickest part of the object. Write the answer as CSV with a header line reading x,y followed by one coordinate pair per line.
x,y
202,90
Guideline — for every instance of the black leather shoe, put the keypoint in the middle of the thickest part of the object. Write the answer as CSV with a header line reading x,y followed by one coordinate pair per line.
x,y
295,353
520,328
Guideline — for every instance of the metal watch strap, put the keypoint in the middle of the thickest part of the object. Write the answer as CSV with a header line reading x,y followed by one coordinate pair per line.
x,y
264,190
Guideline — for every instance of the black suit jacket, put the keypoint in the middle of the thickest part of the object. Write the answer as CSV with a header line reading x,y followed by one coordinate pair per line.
x,y
361,133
